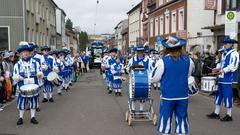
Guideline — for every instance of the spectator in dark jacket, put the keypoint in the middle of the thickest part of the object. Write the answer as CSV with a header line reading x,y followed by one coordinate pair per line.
x,y
208,64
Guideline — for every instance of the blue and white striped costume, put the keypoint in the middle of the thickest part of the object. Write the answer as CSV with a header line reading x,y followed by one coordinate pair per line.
x,y
59,68
67,71
144,61
47,88
116,70
152,65
103,65
23,68
39,58
229,65
109,76
174,98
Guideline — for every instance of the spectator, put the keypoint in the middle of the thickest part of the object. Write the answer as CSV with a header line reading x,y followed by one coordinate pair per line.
x,y
197,74
208,64
2,84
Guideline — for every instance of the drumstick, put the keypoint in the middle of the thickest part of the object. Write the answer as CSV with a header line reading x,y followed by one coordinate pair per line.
x,y
209,68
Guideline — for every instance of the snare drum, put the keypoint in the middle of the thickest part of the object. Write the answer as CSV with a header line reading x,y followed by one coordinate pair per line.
x,y
139,87
192,86
54,78
29,90
208,84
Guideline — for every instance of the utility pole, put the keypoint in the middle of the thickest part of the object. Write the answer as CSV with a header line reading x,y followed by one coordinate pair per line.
x,y
95,19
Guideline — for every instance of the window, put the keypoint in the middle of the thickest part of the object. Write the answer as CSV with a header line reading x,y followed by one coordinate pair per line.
x,y
161,25
160,2
181,19
232,4
40,39
39,8
151,28
156,26
36,7
36,37
167,24
33,36
4,38
174,23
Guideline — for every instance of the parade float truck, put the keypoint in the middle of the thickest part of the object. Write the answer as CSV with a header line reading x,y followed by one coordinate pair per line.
x,y
96,49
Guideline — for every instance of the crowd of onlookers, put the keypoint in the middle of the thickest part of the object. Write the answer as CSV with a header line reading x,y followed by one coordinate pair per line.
x,y
7,91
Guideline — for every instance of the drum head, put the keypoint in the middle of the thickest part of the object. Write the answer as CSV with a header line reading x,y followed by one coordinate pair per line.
x,y
141,84
52,76
29,87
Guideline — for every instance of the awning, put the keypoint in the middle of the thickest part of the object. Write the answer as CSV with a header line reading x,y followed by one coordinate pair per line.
x,y
214,27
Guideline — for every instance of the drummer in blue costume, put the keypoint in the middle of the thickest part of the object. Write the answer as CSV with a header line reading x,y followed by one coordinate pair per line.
x,y
153,60
117,69
227,71
66,62
69,66
109,62
140,59
40,59
59,68
47,88
26,71
174,98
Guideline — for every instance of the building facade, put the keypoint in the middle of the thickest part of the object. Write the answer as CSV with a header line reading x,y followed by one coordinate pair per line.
x,y
121,26
134,25
182,18
28,20
218,28
60,28
71,41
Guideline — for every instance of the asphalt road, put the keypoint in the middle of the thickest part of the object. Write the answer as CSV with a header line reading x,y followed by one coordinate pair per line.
x,y
87,109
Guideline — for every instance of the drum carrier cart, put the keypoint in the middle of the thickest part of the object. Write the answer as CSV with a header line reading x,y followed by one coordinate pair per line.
x,y
139,89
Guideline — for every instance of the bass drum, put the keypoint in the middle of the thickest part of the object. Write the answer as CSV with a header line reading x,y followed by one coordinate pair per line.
x,y
139,87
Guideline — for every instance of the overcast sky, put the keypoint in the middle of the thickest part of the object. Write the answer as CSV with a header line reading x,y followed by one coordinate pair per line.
x,y
110,13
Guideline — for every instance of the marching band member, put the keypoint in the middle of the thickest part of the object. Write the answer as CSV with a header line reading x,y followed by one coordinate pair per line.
x,y
226,70
103,64
69,66
72,71
109,62
117,69
174,98
26,71
62,56
153,60
59,68
40,59
47,88
139,59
